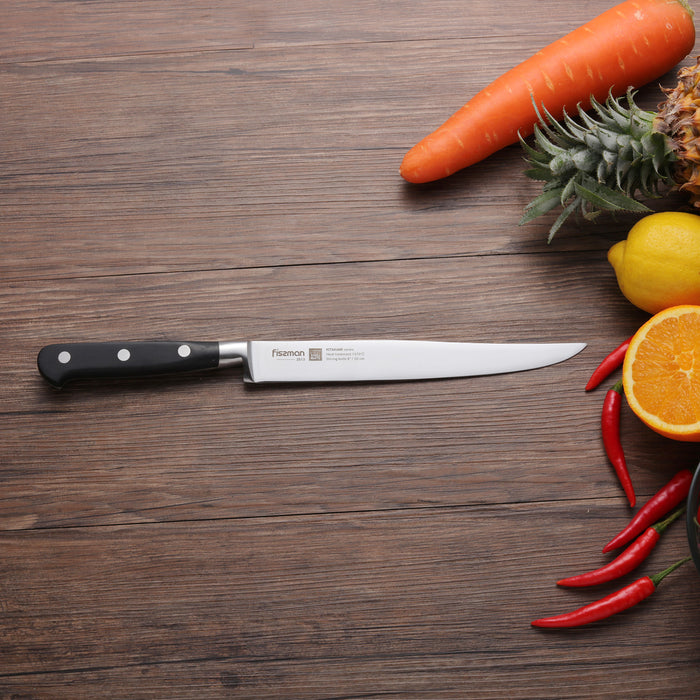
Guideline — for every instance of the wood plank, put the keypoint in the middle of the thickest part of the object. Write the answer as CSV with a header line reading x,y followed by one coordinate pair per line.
x,y
40,30
335,606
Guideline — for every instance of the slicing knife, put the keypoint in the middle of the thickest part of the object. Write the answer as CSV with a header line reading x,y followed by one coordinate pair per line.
x,y
299,360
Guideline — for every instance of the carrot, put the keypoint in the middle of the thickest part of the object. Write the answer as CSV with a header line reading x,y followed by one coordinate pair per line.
x,y
627,46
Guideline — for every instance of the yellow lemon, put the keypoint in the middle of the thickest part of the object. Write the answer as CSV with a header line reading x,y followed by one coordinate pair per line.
x,y
658,266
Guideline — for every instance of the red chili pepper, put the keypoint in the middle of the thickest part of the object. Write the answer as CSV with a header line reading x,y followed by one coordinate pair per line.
x,y
625,562
661,503
610,428
616,602
608,365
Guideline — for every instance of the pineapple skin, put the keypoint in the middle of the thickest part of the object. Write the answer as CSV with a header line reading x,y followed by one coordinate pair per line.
x,y
679,119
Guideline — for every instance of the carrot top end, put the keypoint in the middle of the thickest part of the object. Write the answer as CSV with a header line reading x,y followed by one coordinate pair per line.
x,y
686,6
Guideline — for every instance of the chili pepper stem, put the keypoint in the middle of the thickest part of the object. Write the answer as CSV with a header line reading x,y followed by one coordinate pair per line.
x,y
656,579
662,525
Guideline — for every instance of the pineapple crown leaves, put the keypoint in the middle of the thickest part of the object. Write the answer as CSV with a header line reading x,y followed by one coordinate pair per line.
x,y
602,162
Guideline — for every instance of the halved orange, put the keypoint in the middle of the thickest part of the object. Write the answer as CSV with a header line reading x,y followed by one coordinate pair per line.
x,y
661,373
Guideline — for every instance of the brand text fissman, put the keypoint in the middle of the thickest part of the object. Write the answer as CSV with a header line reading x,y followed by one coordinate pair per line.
x,y
288,353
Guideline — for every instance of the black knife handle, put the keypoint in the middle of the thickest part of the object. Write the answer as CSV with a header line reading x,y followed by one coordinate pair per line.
x,y
65,362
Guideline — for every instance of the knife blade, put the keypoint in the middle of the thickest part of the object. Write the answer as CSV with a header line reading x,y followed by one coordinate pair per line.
x,y
299,361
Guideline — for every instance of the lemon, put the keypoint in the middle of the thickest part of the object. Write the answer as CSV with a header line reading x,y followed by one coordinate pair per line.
x,y
658,265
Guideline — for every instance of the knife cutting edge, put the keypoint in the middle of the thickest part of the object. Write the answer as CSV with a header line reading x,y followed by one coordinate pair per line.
x,y
299,361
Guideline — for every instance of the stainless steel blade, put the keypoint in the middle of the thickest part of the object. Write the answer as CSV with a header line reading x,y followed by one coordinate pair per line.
x,y
394,360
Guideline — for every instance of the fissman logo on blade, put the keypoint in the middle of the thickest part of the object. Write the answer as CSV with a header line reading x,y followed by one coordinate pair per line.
x,y
315,354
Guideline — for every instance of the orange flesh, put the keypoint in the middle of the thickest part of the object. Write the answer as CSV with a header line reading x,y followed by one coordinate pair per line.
x,y
666,370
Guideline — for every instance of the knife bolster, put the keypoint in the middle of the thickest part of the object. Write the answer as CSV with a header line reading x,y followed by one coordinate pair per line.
x,y
233,353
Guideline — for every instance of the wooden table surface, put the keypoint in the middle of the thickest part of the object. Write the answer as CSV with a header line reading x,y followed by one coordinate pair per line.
x,y
229,170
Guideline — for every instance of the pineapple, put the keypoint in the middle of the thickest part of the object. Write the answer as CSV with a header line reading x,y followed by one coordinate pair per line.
x,y
620,153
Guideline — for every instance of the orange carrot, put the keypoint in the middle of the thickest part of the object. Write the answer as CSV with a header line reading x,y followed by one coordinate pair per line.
x,y
627,46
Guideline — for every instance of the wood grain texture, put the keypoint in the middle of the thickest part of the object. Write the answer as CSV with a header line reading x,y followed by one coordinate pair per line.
x,y
229,170
42,30
296,162
305,606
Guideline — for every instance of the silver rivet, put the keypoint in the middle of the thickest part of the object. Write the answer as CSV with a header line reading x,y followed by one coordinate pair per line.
x,y
123,355
184,351
64,357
